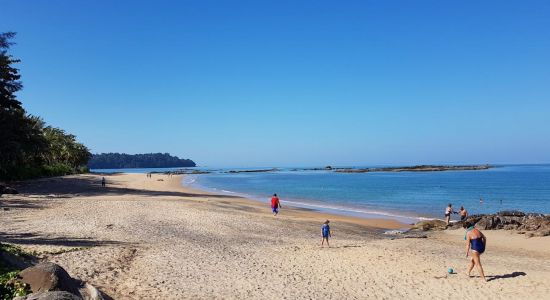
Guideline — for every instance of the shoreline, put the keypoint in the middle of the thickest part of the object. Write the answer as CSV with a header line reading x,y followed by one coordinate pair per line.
x,y
315,206
297,211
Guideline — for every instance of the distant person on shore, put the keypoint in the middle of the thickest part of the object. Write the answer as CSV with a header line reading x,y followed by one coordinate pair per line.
x,y
476,241
325,231
275,204
103,181
463,213
448,212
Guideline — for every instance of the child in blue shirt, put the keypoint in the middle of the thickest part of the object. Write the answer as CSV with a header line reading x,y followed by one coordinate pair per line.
x,y
325,230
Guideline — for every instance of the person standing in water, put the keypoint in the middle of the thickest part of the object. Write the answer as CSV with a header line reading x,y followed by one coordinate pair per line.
x,y
476,241
448,212
275,204
463,213
325,231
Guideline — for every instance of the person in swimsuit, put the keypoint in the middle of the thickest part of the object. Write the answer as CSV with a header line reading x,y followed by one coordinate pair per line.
x,y
448,212
325,231
463,213
275,204
103,181
476,241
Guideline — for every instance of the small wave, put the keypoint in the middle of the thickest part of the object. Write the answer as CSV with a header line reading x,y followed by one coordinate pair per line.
x,y
360,211
226,191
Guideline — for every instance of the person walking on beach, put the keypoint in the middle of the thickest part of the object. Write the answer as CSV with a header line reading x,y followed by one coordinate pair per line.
x,y
448,212
275,204
476,241
463,213
103,181
325,231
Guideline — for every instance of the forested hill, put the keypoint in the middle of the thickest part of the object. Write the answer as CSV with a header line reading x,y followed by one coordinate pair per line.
x,y
149,160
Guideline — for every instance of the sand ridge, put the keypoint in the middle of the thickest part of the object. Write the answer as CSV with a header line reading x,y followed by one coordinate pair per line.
x,y
141,238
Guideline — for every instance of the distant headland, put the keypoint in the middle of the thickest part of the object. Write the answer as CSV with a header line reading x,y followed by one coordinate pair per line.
x,y
148,160
420,168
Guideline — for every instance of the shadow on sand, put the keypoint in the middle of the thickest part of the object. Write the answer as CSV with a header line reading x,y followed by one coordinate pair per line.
x,y
89,185
34,239
511,275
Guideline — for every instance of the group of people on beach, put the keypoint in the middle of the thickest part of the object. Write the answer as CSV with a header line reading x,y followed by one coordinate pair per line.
x,y
325,229
475,239
449,211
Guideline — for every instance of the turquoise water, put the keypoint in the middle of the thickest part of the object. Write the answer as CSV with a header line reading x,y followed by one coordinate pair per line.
x,y
407,196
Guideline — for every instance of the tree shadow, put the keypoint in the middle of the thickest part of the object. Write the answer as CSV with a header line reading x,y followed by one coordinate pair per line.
x,y
511,275
35,239
90,185
19,203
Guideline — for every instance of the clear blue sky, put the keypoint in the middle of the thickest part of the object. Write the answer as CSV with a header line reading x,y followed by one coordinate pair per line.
x,y
263,83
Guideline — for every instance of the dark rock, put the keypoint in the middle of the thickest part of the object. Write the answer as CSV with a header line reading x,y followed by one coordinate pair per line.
x,y
528,224
54,295
511,213
430,225
48,276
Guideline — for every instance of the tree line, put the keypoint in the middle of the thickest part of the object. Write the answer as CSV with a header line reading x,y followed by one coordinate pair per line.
x,y
29,147
149,160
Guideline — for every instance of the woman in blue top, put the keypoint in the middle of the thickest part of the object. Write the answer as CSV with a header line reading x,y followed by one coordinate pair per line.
x,y
476,241
325,230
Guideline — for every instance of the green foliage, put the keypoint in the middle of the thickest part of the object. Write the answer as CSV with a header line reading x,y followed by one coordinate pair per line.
x,y
13,249
149,160
29,148
11,286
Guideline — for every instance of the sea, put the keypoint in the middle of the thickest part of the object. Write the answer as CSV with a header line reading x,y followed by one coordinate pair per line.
x,y
403,196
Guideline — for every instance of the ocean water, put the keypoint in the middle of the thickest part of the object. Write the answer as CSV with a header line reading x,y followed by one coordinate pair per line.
x,y
405,196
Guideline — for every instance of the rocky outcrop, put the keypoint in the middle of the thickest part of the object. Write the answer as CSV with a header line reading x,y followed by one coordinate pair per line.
x,y
421,168
530,224
49,281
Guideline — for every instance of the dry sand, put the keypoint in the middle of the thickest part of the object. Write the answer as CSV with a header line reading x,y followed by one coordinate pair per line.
x,y
141,238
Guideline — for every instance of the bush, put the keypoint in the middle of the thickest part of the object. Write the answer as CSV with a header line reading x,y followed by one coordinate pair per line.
x,y
11,286
57,170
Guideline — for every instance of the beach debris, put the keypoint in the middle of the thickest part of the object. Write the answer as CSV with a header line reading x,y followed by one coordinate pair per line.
x,y
393,232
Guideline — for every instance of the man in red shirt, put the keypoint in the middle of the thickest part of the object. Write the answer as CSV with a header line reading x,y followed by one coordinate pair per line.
x,y
275,204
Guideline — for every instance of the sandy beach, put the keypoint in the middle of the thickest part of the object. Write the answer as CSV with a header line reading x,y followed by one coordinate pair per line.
x,y
150,238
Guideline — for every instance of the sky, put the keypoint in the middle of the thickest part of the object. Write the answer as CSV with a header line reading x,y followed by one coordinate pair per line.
x,y
291,83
